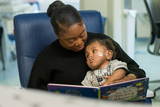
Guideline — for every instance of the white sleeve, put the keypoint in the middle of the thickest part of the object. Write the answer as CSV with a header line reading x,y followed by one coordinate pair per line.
x,y
118,64
87,79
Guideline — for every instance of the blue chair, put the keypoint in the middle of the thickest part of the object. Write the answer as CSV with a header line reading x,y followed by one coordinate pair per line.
x,y
33,32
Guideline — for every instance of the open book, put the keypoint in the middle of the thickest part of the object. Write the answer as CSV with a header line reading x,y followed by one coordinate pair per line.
x,y
127,91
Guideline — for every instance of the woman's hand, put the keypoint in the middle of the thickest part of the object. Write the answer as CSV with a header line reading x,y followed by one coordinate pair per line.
x,y
126,78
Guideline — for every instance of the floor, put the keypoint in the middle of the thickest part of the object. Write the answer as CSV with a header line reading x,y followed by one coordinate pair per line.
x,y
148,62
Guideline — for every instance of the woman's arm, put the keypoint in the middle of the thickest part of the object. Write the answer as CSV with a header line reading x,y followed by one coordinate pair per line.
x,y
36,82
38,78
133,67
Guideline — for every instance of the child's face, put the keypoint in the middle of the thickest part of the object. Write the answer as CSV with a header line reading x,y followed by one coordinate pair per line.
x,y
96,55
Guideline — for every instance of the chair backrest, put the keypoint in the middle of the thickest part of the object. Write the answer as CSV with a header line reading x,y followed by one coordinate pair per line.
x,y
33,32
153,7
153,26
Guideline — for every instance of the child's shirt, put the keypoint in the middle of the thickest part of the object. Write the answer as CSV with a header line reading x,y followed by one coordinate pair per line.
x,y
97,77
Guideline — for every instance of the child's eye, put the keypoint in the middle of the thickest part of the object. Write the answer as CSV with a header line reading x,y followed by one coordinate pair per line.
x,y
94,50
87,56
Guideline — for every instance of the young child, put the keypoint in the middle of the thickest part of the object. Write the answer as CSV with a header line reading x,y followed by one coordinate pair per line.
x,y
100,55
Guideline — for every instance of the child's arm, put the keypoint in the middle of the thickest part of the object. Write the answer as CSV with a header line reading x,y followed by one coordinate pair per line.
x,y
117,75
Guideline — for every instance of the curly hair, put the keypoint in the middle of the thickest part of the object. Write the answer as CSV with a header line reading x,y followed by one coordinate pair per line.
x,y
105,42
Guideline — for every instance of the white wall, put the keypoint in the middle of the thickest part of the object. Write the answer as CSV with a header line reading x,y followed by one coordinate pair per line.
x,y
143,24
99,5
45,3
115,18
113,10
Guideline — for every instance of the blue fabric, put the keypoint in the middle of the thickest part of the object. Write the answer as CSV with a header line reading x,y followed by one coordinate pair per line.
x,y
148,101
11,37
33,32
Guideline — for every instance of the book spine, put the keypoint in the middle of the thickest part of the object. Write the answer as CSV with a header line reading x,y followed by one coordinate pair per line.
x,y
99,94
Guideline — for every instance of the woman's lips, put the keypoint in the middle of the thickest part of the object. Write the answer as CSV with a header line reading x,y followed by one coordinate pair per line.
x,y
81,47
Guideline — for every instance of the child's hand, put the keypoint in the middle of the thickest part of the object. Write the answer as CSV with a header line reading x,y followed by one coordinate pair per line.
x,y
109,81
126,78
119,74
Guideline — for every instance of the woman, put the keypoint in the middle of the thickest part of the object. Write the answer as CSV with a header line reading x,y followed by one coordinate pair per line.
x,y
63,61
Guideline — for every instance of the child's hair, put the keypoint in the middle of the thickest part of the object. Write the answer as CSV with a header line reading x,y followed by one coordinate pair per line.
x,y
105,42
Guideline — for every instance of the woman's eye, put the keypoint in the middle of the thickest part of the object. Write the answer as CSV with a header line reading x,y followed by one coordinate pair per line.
x,y
71,41
82,35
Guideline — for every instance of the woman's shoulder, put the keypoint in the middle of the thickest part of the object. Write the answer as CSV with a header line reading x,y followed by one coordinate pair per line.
x,y
51,46
49,49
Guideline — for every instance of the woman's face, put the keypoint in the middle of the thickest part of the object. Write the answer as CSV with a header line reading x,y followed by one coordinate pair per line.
x,y
74,39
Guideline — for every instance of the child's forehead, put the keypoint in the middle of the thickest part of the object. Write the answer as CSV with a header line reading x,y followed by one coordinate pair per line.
x,y
94,42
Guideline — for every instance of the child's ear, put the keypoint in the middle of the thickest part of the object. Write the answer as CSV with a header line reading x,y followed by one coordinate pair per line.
x,y
109,54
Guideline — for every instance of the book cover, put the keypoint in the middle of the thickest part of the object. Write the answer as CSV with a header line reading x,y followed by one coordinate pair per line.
x,y
127,91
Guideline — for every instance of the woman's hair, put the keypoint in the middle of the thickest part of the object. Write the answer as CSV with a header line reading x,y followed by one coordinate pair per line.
x,y
63,16
105,42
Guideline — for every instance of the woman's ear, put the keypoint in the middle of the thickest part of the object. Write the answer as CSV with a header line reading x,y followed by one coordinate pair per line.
x,y
109,54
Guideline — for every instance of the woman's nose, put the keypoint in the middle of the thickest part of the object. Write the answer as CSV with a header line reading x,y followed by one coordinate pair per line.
x,y
78,42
